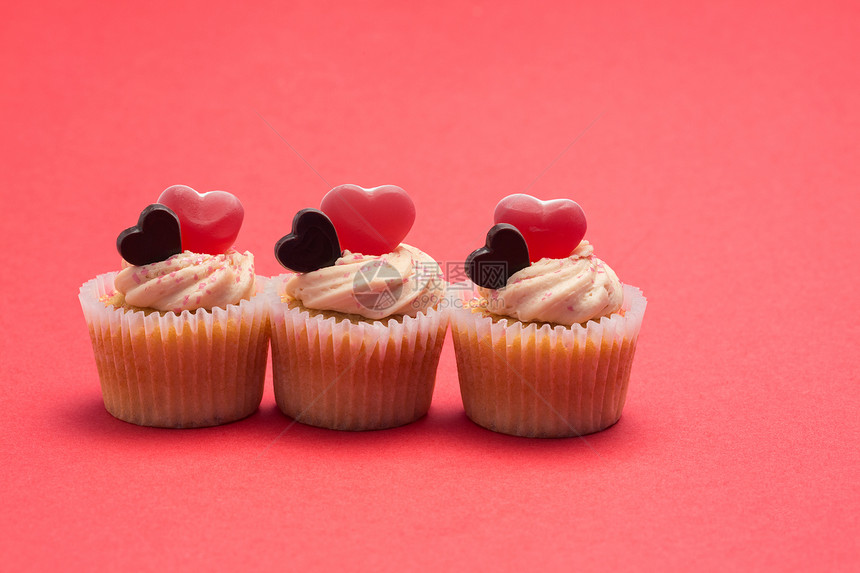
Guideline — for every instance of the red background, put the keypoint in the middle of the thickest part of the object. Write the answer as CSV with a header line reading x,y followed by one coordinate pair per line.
x,y
719,174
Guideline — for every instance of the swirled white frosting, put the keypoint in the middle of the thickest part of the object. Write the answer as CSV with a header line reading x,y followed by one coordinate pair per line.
x,y
404,282
565,291
189,281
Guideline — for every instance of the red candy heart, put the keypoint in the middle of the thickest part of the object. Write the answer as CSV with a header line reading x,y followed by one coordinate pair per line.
x,y
210,222
369,221
551,229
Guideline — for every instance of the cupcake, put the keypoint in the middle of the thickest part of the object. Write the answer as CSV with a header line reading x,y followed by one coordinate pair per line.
x,y
545,341
180,334
358,324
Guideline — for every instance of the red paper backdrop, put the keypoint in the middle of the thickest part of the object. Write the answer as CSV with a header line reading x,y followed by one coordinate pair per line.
x,y
714,149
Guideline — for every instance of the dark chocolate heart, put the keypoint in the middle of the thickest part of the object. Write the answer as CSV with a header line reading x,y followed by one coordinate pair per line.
x,y
504,254
156,237
311,245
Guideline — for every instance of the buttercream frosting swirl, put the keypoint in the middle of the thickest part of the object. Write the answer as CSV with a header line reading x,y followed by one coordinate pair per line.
x,y
565,291
189,281
404,282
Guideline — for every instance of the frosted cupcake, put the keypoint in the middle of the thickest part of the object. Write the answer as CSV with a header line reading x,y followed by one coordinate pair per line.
x,y
357,327
179,334
545,343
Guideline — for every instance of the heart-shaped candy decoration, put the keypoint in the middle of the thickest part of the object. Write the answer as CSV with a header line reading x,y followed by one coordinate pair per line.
x,y
312,244
551,229
504,254
210,221
369,221
156,237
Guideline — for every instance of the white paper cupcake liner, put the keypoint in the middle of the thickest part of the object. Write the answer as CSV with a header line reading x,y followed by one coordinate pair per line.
x,y
539,380
179,371
337,373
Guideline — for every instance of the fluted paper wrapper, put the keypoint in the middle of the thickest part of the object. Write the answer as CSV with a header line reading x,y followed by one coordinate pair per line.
x,y
178,371
539,380
336,373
